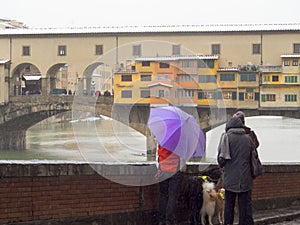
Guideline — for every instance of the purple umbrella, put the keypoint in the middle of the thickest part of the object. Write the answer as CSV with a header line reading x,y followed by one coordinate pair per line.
x,y
177,131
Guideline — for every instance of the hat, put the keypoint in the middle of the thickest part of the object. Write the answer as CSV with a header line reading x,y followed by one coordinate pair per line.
x,y
240,115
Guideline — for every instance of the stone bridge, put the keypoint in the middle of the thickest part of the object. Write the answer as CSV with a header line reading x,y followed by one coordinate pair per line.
x,y
23,112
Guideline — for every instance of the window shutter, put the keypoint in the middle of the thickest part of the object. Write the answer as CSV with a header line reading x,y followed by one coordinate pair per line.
x,y
234,95
241,96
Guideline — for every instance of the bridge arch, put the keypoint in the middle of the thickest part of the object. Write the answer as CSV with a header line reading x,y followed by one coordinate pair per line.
x,y
26,79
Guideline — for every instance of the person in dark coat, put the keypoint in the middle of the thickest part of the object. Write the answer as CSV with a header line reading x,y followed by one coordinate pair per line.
x,y
251,133
234,157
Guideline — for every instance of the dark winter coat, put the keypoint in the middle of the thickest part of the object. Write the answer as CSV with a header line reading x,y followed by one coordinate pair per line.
x,y
237,170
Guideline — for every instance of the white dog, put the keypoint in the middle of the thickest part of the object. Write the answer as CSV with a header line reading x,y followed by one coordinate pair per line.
x,y
209,202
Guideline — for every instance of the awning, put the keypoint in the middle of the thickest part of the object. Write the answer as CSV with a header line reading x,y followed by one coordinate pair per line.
x,y
32,77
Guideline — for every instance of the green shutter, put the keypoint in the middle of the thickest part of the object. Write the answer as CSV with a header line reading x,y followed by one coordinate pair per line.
x,y
234,95
256,96
241,96
200,95
263,98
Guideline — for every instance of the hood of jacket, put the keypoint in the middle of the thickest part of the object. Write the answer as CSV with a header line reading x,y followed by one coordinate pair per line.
x,y
234,122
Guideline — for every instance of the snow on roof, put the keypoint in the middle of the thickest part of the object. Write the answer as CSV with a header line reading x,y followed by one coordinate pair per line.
x,y
156,29
3,61
228,69
175,58
290,56
160,84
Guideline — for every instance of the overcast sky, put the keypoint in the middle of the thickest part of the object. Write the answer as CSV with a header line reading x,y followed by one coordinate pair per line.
x,y
68,13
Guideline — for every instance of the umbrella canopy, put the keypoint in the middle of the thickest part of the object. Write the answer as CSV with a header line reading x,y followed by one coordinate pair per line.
x,y
177,131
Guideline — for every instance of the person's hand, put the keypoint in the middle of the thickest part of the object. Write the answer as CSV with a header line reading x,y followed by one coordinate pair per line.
x,y
158,174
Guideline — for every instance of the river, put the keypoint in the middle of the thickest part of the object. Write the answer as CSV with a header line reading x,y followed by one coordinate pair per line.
x,y
106,140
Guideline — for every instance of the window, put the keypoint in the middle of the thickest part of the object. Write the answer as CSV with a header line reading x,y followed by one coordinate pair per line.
x,y
256,49
207,63
99,50
164,65
176,50
296,48
268,97
126,94
266,78
162,93
145,63
227,94
207,79
227,77
187,93
186,78
145,93
275,78
206,95
146,77
215,49
62,50
290,98
26,51
248,77
295,62
291,79
187,63
136,50
249,95
286,62
126,78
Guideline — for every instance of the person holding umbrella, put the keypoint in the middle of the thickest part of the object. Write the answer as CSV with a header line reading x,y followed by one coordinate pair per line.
x,y
179,138
170,178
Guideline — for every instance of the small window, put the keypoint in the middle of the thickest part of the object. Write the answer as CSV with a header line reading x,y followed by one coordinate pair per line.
x,y
126,78
145,93
227,77
256,49
164,65
146,77
126,94
215,49
176,50
136,50
62,50
295,62
296,48
290,98
275,78
146,63
286,62
99,50
26,51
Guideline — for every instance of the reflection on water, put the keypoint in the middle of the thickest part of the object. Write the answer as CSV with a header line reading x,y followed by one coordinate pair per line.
x,y
105,140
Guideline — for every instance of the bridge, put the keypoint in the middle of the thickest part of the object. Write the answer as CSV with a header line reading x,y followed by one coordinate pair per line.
x,y
22,112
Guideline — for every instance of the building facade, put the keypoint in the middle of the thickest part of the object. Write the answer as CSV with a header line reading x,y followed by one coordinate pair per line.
x,y
254,66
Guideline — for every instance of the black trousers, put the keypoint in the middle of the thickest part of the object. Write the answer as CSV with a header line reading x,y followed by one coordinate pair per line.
x,y
230,198
169,192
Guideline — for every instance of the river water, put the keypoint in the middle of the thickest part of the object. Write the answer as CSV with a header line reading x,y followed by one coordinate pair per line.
x,y
106,140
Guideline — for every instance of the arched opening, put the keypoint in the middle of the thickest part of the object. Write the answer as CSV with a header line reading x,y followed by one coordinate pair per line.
x,y
26,80
58,80
97,80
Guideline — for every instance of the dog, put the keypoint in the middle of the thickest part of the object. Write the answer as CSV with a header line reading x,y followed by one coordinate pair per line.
x,y
220,205
210,197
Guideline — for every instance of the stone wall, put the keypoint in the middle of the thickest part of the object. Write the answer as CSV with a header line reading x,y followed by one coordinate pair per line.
x,y
76,193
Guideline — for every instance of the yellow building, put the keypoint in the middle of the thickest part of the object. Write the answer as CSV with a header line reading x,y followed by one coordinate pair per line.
x,y
280,86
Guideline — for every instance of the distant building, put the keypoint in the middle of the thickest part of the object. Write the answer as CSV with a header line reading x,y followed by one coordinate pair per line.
x,y
11,24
